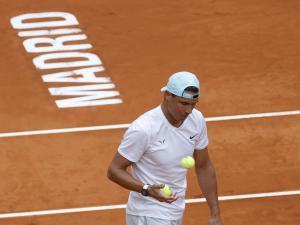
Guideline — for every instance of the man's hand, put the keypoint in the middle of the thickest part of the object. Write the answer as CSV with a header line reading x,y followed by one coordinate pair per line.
x,y
154,192
215,220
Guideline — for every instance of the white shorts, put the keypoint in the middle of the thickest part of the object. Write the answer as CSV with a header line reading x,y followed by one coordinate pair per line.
x,y
144,220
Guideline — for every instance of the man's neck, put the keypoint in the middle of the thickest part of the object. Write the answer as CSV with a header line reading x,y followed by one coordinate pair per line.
x,y
169,116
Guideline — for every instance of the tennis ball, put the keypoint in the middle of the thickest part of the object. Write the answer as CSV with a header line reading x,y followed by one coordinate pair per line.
x,y
188,162
166,190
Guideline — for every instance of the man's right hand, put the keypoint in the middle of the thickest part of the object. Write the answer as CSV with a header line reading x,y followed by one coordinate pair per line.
x,y
154,192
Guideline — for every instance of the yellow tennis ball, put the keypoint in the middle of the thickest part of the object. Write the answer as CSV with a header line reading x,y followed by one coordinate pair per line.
x,y
188,162
166,190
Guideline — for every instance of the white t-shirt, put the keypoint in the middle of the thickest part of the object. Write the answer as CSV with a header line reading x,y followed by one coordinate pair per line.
x,y
156,148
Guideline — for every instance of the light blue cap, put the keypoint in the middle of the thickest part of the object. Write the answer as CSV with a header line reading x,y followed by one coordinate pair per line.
x,y
179,81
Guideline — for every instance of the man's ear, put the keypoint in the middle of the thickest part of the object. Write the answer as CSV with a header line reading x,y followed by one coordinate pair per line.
x,y
167,95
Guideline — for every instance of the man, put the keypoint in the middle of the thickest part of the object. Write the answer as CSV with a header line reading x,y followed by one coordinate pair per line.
x,y
154,145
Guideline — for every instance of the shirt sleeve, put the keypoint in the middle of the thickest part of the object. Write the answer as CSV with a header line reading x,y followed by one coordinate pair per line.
x,y
202,141
133,144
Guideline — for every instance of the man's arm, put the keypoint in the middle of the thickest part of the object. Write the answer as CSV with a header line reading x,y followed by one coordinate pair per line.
x,y
208,183
117,172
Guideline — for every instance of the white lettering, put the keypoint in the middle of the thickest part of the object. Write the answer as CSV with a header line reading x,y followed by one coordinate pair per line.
x,y
66,19
86,101
32,45
80,90
59,52
91,95
32,33
40,61
87,75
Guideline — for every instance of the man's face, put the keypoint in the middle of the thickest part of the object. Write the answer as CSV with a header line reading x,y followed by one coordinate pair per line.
x,y
180,107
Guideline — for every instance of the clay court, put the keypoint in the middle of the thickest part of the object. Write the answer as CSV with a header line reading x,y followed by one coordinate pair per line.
x,y
246,53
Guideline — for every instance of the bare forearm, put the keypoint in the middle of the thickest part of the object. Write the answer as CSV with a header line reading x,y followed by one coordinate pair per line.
x,y
208,183
123,178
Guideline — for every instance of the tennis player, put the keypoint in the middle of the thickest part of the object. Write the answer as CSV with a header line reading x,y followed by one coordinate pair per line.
x,y
153,147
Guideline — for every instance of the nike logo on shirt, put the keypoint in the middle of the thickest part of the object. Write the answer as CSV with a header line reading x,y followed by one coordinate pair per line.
x,y
191,137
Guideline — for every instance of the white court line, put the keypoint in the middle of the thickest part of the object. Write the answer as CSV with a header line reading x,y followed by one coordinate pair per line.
x,y
112,207
121,126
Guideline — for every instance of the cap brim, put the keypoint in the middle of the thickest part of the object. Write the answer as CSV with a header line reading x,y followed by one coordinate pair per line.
x,y
164,88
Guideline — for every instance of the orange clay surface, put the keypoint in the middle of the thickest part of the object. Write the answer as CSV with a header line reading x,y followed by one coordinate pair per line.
x,y
247,56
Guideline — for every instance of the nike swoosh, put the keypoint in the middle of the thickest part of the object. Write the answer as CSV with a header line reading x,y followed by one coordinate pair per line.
x,y
191,137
